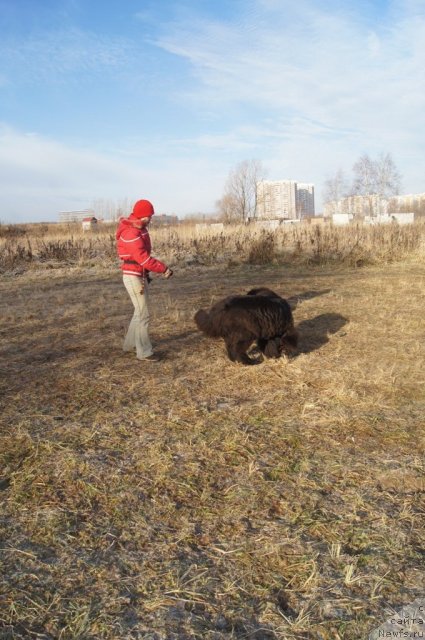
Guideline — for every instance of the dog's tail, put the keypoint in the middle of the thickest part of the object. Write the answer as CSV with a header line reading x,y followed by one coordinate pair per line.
x,y
204,324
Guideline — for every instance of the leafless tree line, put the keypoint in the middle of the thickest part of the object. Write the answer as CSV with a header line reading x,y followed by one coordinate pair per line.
x,y
110,209
378,177
371,177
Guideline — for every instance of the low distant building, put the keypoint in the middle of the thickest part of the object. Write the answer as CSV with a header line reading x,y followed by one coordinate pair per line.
x,y
391,218
90,223
357,206
407,217
407,203
340,219
75,216
381,218
374,205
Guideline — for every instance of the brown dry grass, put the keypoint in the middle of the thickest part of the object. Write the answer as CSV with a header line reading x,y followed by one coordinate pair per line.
x,y
195,498
35,247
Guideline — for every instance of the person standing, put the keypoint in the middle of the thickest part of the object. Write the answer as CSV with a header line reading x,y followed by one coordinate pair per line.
x,y
134,251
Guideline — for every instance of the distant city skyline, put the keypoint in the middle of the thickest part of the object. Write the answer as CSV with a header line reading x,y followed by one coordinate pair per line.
x,y
161,100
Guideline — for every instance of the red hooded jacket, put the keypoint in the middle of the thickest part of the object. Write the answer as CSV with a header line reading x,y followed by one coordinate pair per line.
x,y
134,250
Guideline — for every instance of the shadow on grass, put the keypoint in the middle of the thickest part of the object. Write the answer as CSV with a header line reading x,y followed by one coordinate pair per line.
x,y
314,333
179,342
307,295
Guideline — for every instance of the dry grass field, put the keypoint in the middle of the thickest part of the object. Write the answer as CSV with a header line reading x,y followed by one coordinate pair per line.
x,y
198,499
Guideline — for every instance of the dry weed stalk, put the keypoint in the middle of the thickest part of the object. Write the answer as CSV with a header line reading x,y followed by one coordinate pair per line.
x,y
56,245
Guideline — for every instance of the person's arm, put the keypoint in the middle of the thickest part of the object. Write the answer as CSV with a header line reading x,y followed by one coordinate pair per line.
x,y
141,254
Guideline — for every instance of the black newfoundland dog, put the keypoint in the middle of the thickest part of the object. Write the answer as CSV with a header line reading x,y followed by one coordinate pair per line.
x,y
261,315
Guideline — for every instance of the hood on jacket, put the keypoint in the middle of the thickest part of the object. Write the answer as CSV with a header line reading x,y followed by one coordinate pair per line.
x,y
122,224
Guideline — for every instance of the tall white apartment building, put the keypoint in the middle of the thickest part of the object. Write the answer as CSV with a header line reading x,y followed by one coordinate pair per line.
x,y
281,199
305,200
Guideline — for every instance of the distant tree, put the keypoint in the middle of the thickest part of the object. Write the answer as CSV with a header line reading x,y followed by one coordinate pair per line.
x,y
228,209
335,187
378,177
110,209
239,198
387,176
364,181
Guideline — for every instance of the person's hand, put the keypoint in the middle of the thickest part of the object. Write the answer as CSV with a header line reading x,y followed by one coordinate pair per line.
x,y
168,273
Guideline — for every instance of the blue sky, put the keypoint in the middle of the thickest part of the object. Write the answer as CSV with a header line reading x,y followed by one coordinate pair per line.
x,y
160,100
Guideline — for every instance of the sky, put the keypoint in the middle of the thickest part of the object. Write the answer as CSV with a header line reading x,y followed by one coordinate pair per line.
x,y
158,99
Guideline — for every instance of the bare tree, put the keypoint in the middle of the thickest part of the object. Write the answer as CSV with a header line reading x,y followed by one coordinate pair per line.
x,y
109,208
239,199
335,187
388,178
379,177
376,179
364,182
228,209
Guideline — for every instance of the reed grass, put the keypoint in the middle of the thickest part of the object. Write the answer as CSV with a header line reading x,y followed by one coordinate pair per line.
x,y
49,246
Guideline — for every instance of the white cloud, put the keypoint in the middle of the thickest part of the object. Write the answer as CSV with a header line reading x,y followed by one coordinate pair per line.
x,y
319,67
323,79
40,177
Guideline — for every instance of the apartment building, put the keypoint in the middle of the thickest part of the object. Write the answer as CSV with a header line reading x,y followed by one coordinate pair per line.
x,y
284,199
357,206
408,202
305,200
374,205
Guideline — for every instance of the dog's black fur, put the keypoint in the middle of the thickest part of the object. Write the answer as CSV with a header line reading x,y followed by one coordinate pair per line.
x,y
261,315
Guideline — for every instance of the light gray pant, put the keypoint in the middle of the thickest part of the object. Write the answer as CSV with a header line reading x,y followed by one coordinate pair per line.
x,y
137,334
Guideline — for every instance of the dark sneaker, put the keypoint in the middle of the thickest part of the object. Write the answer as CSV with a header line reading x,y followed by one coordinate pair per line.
x,y
152,358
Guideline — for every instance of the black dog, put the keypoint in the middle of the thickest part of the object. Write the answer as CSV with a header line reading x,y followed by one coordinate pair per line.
x,y
261,316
